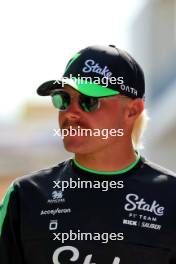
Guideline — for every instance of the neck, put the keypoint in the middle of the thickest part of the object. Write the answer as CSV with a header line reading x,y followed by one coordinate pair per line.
x,y
109,159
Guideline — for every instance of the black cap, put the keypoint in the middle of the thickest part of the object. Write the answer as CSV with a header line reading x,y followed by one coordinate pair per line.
x,y
101,71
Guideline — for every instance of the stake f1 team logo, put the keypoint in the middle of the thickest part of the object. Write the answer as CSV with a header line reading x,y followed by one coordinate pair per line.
x,y
141,213
92,66
134,202
75,256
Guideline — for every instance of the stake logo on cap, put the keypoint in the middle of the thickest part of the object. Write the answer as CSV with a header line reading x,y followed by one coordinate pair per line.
x,y
100,71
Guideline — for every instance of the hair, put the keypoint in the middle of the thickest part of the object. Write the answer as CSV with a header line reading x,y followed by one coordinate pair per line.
x,y
138,129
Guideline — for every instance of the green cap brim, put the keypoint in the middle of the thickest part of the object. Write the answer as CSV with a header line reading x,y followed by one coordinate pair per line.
x,y
82,86
90,89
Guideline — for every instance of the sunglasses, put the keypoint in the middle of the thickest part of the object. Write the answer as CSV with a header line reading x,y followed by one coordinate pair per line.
x,y
62,100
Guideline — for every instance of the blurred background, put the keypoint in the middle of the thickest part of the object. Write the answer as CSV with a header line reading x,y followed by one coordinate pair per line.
x,y
37,40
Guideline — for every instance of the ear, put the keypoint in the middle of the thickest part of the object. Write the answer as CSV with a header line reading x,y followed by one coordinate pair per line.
x,y
133,109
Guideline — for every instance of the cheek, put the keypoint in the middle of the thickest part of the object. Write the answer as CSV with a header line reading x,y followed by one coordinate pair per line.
x,y
109,116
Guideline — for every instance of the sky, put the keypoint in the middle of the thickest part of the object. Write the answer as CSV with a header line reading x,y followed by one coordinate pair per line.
x,y
38,37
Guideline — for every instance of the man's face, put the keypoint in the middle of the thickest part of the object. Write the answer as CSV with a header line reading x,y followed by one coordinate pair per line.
x,y
109,116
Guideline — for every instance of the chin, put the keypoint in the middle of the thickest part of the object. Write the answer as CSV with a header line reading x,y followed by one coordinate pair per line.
x,y
76,149
75,144
82,145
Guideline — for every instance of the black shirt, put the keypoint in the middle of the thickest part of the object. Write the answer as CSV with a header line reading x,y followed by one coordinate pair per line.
x,y
126,218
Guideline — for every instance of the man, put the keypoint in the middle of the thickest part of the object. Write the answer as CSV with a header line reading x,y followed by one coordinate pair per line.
x,y
107,205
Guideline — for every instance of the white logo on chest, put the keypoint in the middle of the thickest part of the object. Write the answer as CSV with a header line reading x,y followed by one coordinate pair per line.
x,y
134,202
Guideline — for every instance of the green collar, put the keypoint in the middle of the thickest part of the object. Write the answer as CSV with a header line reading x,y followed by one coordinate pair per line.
x,y
132,165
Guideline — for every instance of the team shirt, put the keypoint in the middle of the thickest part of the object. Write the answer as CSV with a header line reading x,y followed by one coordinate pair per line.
x,y
69,214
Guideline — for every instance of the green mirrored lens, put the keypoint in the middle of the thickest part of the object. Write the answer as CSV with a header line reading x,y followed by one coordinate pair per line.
x,y
61,100
88,104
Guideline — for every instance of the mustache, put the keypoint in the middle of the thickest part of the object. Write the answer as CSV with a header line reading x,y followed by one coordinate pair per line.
x,y
67,123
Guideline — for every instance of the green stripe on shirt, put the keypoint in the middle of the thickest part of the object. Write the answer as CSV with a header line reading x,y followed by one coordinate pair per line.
x,y
3,207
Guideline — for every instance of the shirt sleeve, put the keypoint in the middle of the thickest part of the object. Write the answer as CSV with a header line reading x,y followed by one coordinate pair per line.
x,y
10,242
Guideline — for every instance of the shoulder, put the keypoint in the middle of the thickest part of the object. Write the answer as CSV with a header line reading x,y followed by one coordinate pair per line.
x,y
157,172
44,176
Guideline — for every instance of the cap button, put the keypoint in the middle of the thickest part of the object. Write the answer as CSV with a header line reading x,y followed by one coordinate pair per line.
x,y
113,46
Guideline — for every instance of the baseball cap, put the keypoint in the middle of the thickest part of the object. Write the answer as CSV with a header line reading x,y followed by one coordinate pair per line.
x,y
100,71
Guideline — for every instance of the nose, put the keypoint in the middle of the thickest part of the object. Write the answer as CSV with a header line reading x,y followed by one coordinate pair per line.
x,y
74,111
